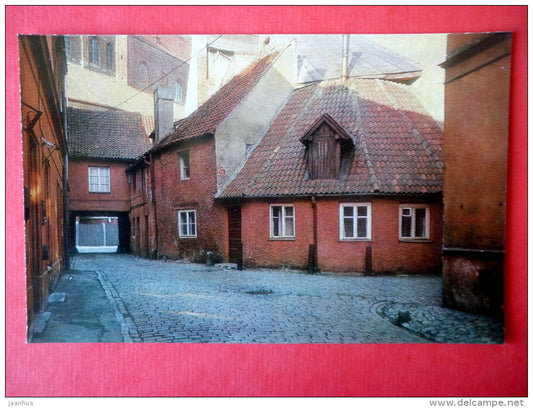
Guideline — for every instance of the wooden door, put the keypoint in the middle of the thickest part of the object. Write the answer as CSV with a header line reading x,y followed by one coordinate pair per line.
x,y
235,238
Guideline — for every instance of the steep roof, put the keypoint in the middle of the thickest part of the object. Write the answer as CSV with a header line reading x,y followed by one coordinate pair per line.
x,y
106,134
397,146
212,113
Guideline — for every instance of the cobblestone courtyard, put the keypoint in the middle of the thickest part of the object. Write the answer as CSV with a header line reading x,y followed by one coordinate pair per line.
x,y
163,301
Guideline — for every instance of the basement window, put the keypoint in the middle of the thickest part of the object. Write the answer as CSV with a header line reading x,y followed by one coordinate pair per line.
x,y
187,223
414,222
355,221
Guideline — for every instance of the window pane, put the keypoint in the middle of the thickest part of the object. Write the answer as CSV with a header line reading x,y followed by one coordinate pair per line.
x,y
289,227
406,226
361,227
348,227
192,222
289,211
276,221
361,211
183,223
348,211
420,222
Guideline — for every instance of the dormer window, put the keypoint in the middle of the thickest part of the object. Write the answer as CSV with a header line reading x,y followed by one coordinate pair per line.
x,y
327,143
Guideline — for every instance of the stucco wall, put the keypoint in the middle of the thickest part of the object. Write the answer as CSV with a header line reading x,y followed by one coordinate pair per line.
x,y
250,120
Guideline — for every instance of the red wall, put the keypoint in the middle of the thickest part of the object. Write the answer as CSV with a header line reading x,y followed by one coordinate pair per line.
x,y
80,198
389,254
197,193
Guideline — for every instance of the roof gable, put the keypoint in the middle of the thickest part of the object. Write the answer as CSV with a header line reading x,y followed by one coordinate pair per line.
x,y
206,119
340,133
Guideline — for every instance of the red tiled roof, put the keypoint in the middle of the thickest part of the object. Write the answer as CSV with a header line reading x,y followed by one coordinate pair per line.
x,y
110,134
397,145
212,113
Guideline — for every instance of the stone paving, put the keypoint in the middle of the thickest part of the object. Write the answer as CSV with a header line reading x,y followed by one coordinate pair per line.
x,y
168,301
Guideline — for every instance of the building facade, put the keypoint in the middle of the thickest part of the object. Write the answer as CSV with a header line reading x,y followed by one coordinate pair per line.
x,y
202,152
42,78
341,174
348,177
103,144
475,152
123,71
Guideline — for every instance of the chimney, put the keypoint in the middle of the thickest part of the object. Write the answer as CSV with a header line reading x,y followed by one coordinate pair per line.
x,y
345,55
164,111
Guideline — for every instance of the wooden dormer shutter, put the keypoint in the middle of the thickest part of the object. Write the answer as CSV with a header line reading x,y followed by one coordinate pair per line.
x,y
325,141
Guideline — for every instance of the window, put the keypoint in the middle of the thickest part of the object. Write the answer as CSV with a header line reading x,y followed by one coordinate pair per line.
x,y
355,221
414,222
281,221
185,171
73,48
94,51
141,75
109,56
187,223
178,92
68,47
99,180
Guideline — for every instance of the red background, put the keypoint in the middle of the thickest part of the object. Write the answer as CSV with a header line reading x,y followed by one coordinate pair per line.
x,y
435,370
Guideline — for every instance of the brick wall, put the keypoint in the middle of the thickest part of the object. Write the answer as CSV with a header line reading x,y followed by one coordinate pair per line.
x,y
82,200
196,193
389,253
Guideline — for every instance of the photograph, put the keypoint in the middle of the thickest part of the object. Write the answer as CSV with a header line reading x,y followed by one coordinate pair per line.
x,y
266,202
265,188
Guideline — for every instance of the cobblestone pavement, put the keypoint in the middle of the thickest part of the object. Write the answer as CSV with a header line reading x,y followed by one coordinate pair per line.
x,y
164,301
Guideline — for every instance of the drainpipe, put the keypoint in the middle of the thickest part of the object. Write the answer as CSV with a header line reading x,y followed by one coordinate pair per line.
x,y
154,206
313,248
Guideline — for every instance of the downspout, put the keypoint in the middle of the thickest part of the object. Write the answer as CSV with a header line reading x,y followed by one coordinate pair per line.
x,y
154,206
313,248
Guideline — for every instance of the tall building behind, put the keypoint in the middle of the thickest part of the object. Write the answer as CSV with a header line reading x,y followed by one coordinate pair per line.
x,y
122,72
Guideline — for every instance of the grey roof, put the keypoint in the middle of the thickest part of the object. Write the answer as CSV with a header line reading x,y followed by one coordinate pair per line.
x,y
106,134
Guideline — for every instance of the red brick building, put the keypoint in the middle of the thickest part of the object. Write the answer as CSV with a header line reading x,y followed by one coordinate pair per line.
x,y
475,152
175,215
348,177
102,143
340,175
42,73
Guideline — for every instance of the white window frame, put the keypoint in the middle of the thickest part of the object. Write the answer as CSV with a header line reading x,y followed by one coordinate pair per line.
x,y
188,230
283,234
355,217
183,168
101,174
412,233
